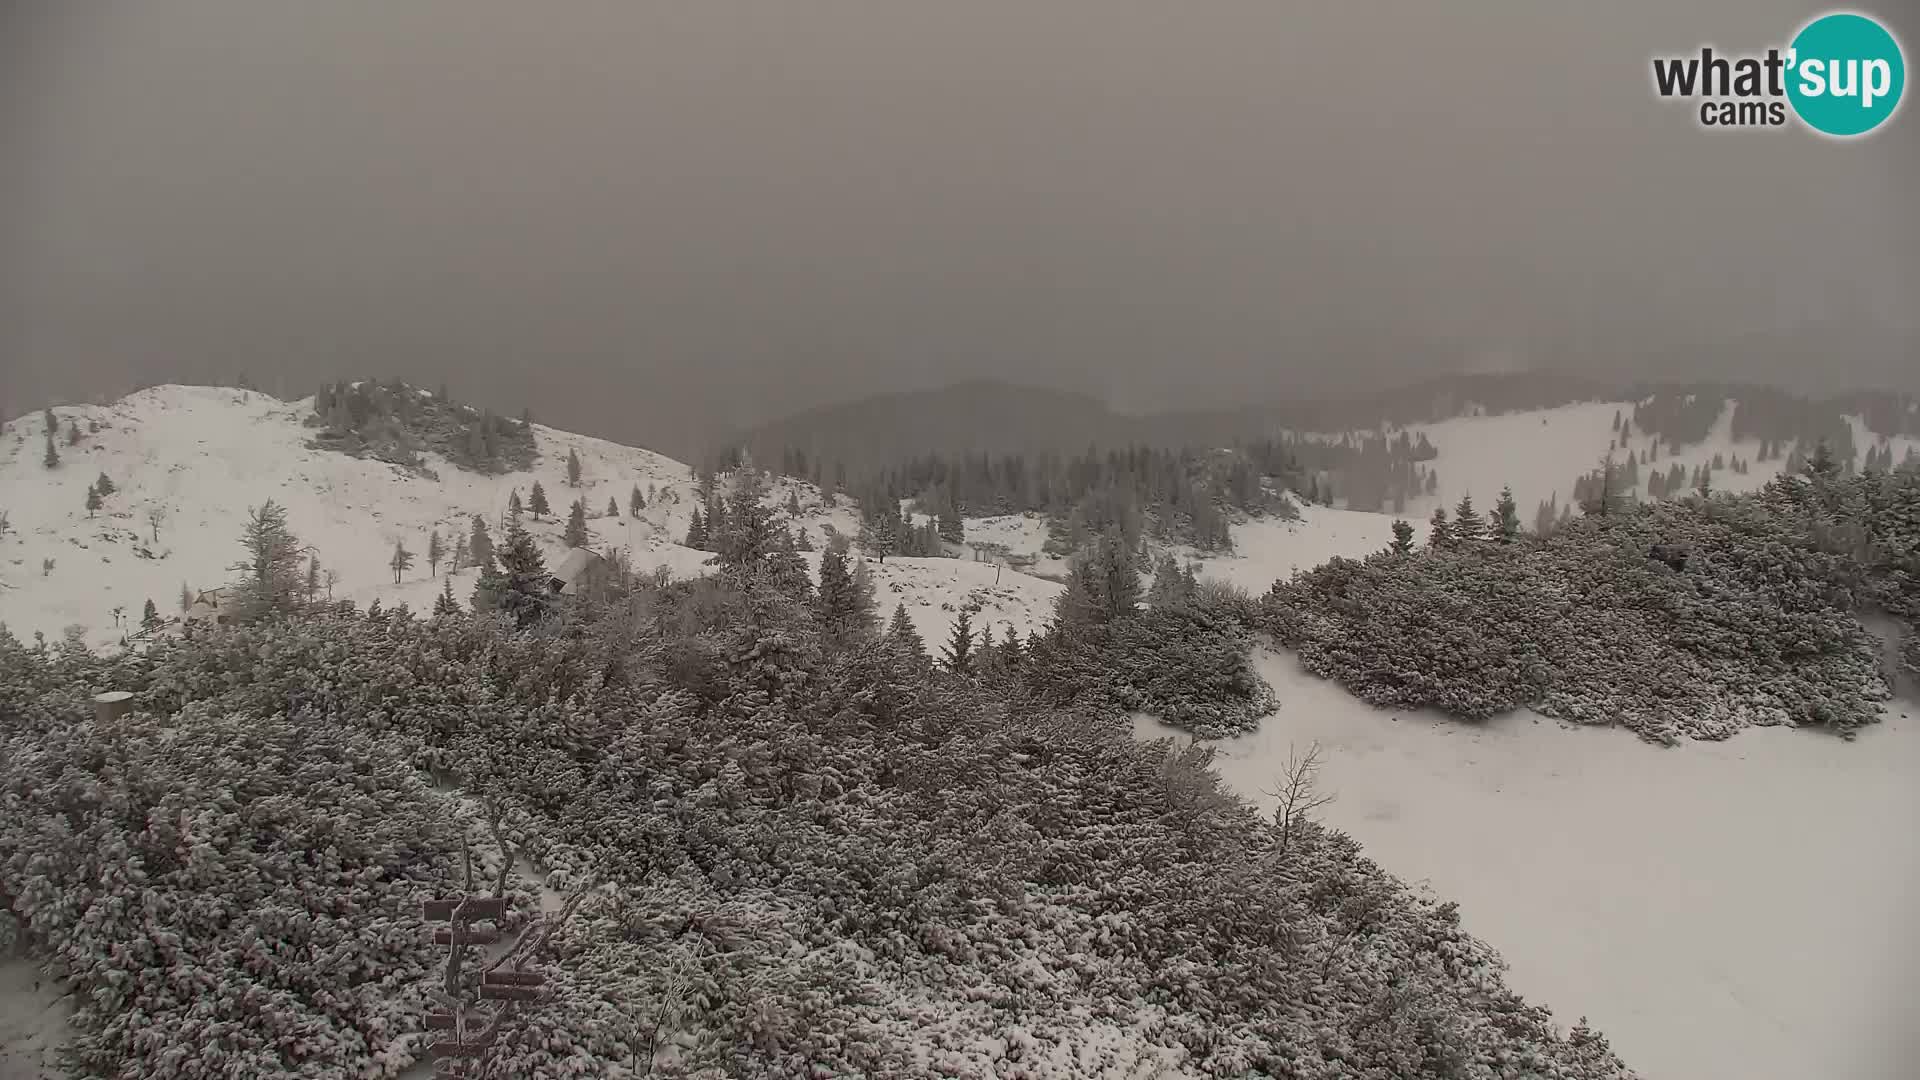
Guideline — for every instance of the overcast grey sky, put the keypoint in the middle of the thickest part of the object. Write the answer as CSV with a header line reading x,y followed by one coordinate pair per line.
x,y
644,218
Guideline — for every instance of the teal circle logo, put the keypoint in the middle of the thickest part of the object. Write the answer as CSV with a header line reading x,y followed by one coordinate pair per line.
x,y
1845,74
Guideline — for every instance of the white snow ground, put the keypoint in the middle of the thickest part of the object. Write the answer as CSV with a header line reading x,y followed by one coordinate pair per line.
x,y
33,1022
1269,550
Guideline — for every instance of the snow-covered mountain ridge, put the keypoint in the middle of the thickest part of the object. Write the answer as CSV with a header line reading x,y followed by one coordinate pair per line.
x,y
187,463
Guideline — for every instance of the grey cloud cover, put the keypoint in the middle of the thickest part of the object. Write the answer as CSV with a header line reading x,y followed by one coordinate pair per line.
x,y
648,220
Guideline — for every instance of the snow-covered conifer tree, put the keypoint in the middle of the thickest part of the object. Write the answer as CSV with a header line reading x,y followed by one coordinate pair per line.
x,y
1505,518
903,637
957,655
1402,538
834,603
480,545
1169,586
1467,523
271,577
749,533
576,534
519,585
445,604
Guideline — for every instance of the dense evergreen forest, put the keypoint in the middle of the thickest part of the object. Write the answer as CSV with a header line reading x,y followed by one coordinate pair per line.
x,y
394,422
1376,465
1683,415
1139,493
1372,472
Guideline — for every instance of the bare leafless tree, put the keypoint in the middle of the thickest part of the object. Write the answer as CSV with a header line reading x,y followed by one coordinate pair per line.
x,y
1299,797
494,813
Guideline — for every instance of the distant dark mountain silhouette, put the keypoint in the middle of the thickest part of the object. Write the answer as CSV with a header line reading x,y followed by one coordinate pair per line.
x,y
989,416
977,416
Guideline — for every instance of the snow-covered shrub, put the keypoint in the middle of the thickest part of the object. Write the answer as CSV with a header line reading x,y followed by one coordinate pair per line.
x,y
224,894
393,422
816,861
1189,664
1756,626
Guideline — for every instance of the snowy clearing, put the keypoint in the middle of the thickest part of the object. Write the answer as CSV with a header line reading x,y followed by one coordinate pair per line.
x,y
1268,549
33,1022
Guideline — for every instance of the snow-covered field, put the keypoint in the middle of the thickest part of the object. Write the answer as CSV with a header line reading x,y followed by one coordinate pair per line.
x,y
204,456
1270,550
1017,532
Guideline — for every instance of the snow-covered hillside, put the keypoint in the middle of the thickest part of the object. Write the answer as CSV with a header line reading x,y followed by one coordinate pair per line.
x,y
1646,889
199,458
1539,453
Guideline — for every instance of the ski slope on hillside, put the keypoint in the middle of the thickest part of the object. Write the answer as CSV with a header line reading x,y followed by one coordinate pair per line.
x,y
202,457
